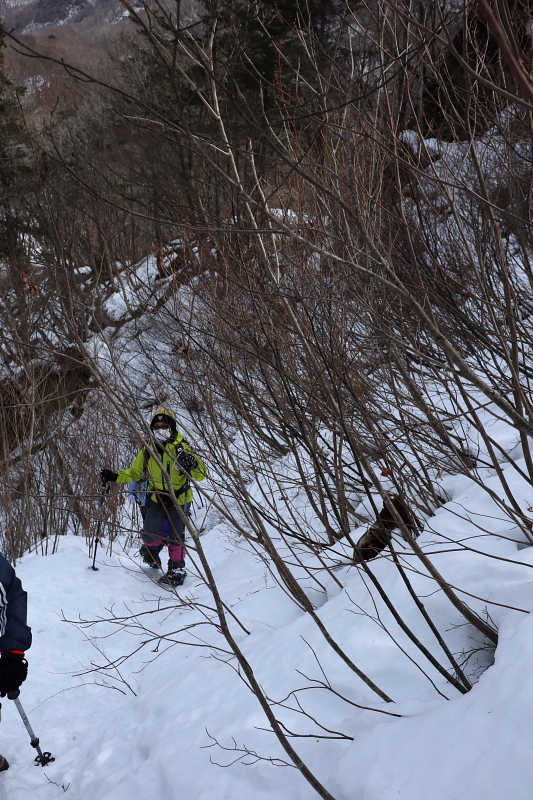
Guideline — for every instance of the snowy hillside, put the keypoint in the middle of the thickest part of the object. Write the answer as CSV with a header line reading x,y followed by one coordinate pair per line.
x,y
28,16
302,232
166,721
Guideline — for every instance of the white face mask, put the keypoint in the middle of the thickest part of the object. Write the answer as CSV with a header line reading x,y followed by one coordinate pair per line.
x,y
162,434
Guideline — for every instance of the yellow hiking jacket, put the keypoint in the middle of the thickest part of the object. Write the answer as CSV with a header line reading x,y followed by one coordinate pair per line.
x,y
149,468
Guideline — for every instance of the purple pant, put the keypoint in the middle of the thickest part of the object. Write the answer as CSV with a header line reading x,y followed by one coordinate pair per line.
x,y
164,525
176,552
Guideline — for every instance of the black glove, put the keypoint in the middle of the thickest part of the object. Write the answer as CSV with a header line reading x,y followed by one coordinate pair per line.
x,y
13,672
186,461
107,475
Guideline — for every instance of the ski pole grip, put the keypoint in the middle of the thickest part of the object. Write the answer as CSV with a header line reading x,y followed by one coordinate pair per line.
x,y
13,695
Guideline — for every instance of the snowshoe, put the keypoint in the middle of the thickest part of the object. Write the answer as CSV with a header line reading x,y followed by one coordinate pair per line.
x,y
174,577
4,763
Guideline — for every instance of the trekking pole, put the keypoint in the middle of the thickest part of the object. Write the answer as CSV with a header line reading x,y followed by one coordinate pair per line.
x,y
43,758
105,490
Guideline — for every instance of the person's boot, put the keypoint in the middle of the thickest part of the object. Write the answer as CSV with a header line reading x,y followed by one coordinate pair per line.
x,y
176,573
4,764
150,555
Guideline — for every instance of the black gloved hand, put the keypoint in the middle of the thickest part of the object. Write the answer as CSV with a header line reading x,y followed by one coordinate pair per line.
x,y
107,475
186,461
13,672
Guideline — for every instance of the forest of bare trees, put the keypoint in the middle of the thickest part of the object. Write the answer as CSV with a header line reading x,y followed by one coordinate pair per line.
x,y
335,202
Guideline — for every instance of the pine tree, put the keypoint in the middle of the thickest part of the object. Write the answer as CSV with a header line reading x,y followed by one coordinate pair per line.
x,y
264,43
13,166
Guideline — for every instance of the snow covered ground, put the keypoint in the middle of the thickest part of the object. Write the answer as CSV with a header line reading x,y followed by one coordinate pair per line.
x,y
149,728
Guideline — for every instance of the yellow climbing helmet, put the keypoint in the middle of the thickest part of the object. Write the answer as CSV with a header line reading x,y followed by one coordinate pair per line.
x,y
164,415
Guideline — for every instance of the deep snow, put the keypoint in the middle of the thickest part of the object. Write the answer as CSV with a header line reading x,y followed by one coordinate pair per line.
x,y
144,729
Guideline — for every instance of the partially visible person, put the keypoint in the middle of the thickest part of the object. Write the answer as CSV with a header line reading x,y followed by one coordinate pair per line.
x,y
15,635
180,463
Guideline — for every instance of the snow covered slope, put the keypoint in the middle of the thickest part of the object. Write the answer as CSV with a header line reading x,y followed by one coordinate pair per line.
x,y
148,727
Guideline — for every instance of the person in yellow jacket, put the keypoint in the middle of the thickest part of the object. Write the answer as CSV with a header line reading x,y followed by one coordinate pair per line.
x,y
181,464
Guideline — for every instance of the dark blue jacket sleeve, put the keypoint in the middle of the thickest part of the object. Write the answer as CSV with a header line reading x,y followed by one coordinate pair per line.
x,y
14,631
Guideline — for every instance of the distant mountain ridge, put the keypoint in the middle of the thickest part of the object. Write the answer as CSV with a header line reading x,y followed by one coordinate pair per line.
x,y
26,16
